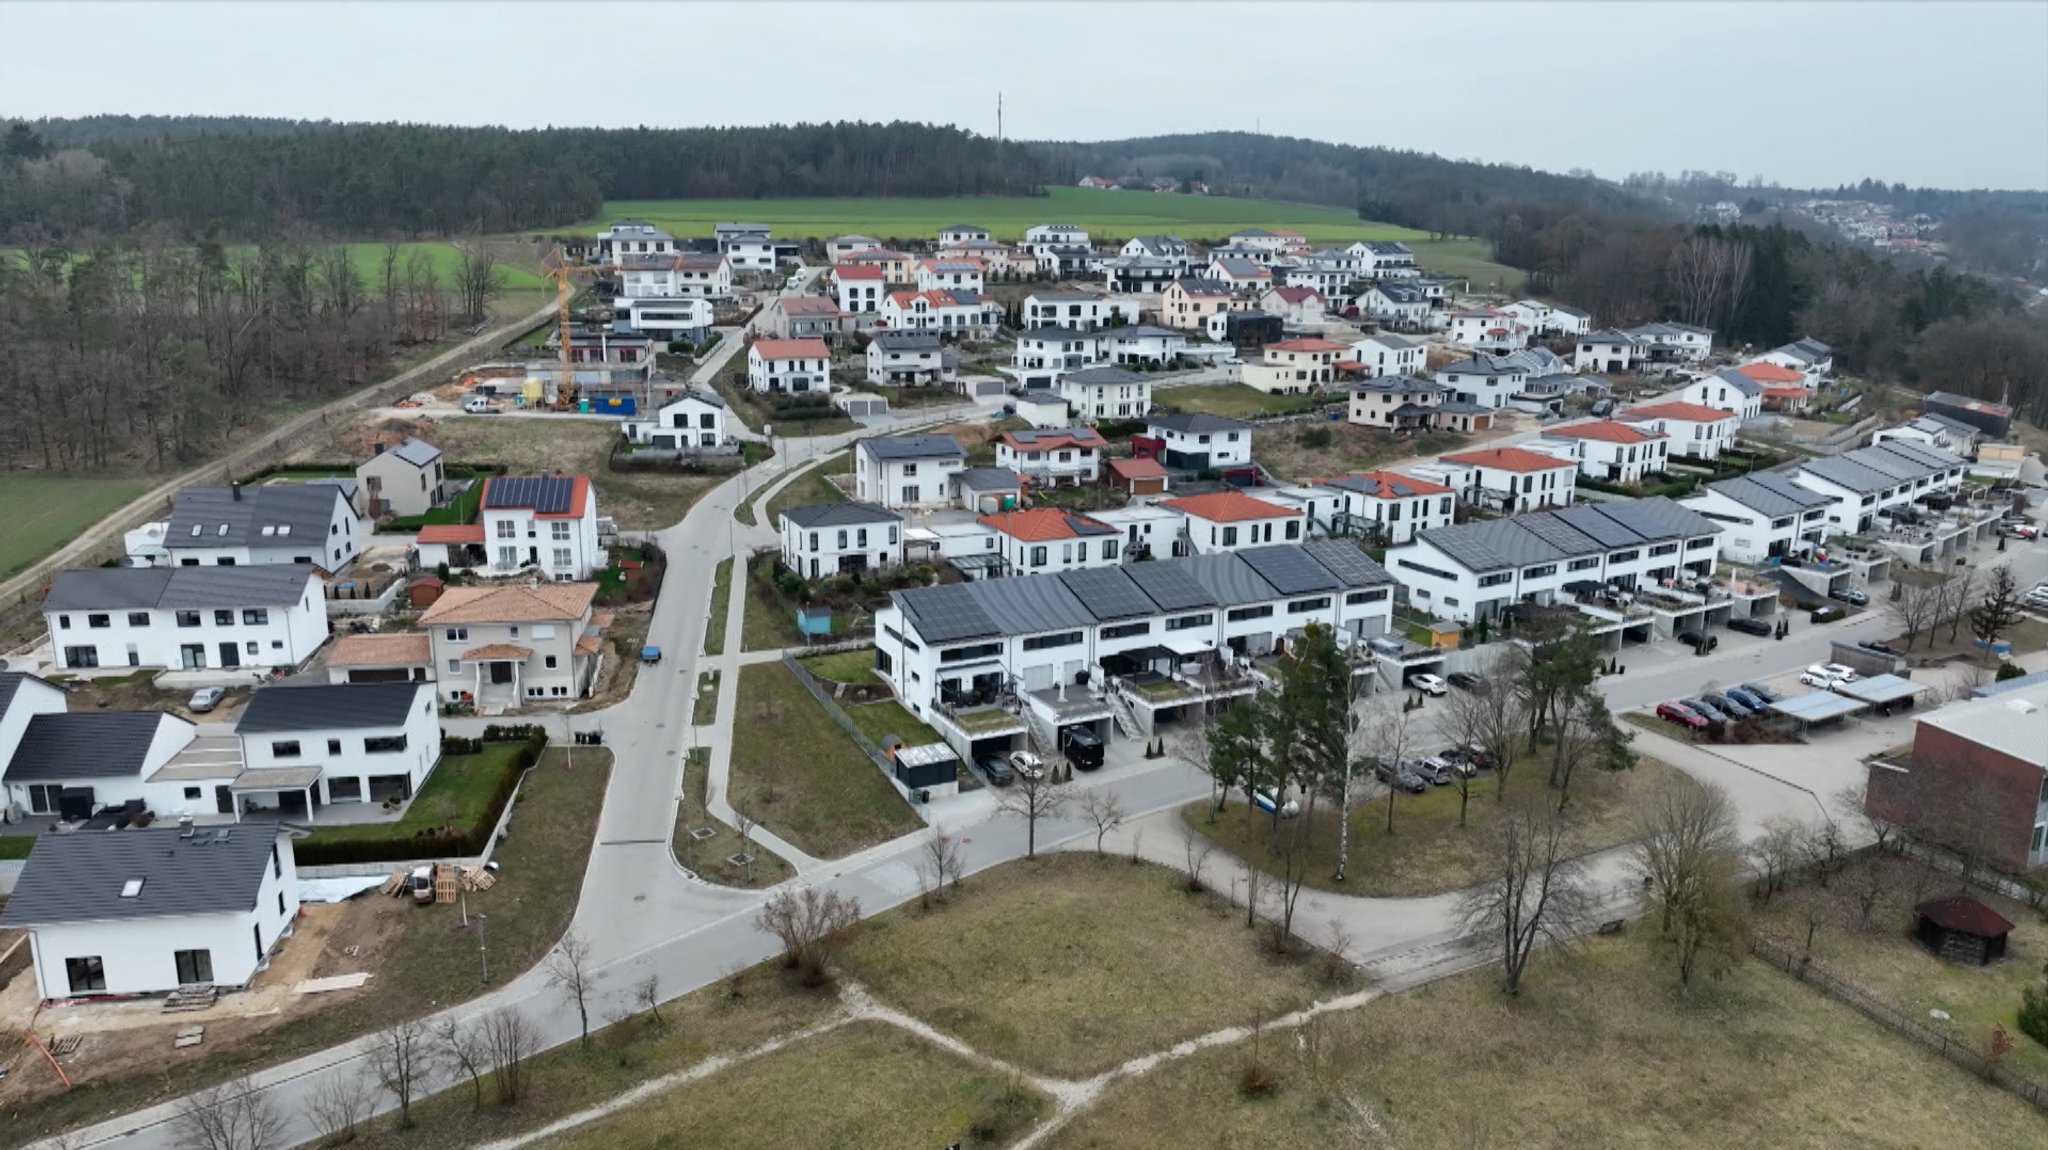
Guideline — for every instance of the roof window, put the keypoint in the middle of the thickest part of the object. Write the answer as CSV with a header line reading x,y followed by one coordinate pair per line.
x,y
131,888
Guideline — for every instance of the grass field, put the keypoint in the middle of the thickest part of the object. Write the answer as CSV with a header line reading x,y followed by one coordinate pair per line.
x,y
709,856
810,488
1599,1050
721,601
369,261
879,720
1071,964
1304,451
767,625
1232,400
46,512
843,666
796,771
458,794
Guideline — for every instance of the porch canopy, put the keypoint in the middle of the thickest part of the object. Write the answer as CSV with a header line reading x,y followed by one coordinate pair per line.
x,y
1185,645
276,781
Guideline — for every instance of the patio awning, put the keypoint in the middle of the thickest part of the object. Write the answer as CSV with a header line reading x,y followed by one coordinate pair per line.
x,y
494,652
276,779
1187,645
1150,654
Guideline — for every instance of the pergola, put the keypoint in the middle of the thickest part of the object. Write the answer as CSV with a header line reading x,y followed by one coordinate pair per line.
x,y
279,781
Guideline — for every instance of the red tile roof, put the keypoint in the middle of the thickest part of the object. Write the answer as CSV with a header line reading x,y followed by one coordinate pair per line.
x,y
1510,459
1689,412
1308,345
857,272
1964,914
1394,485
1296,294
1227,507
1787,393
1764,371
808,305
1044,523
1605,430
792,349
451,533
1086,437
1138,468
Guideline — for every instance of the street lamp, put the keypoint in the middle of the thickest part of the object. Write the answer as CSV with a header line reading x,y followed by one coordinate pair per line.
x,y
483,949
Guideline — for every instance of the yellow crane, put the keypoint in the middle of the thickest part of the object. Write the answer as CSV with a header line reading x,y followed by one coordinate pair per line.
x,y
557,266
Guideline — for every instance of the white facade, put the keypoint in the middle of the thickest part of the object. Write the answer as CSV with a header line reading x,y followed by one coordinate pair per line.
x,y
688,275
562,547
907,472
506,645
750,253
962,234
357,764
1058,349
1547,319
1097,395
1487,329
950,275
1232,522
1739,397
1606,351
819,542
690,421
796,366
946,312
859,288
1486,384
1398,507
1390,355
1696,431
1081,311
277,632
1071,455
1605,450
1750,535
668,319
1509,479
1199,441
1042,541
1298,305
1062,235
1446,586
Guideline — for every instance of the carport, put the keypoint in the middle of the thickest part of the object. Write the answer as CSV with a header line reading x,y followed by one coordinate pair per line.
x,y
1884,693
1816,707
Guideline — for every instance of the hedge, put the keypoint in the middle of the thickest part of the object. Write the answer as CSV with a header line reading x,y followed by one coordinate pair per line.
x,y
439,842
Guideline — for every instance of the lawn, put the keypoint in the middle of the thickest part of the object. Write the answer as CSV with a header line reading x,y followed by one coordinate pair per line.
x,y
707,856
458,794
862,1086
879,720
369,261
2029,634
1071,964
1428,853
46,512
1884,958
721,601
796,771
769,623
1597,1051
1234,400
704,710
810,488
460,509
755,412
1466,259
844,666
16,846
1305,451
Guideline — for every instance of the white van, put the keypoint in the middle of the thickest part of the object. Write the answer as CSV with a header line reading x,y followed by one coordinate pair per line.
x,y
477,405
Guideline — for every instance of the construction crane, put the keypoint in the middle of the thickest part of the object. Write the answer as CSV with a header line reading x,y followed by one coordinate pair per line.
x,y
557,266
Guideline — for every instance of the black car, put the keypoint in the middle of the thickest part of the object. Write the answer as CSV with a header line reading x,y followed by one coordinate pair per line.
x,y
1081,747
1750,626
1698,641
1466,680
1876,647
998,772
1399,777
1705,710
1727,705
1765,693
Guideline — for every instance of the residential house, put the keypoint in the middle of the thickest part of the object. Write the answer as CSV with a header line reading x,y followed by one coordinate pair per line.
x,y
1273,239
1390,507
859,287
695,275
1397,305
240,525
1296,366
804,317
151,910
1301,305
185,618
957,313
1673,342
1077,310
382,657
903,358
1991,754
1171,249
1244,278
1141,275
1811,358
405,479
1402,401
796,366
950,274
1199,442
1188,303
1485,380
1608,351
961,234
840,538
666,320
334,743
1106,393
1548,319
1869,481
1040,236
1509,479
1097,183
1726,390
1136,476
633,237
1047,539
907,472
841,247
1329,280
1384,259
1070,455
748,247
988,489
504,644
1230,520
1246,330
1939,431
692,420
1146,344
1474,571
545,523
1383,355
1487,329
1696,430
1609,450
1052,350
1765,515
70,766
1069,260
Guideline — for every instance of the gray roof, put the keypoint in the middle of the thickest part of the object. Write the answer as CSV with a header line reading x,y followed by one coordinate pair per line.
x,y
1028,605
1203,284
1055,331
69,746
1483,365
1740,382
1570,532
340,706
1397,342
1608,335
1808,350
697,393
904,341
1849,474
1067,297
1400,292
1400,383
1348,562
963,228
415,451
1942,425
1196,423
1869,469
80,877
177,588
1769,493
1232,580
912,447
990,479
252,516
840,515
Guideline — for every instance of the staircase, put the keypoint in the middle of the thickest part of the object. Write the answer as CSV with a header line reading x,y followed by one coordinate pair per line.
x,y
1126,719
1044,740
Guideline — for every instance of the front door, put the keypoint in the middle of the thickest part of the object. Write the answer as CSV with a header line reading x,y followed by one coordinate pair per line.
x,y
192,657
501,672
230,655
224,799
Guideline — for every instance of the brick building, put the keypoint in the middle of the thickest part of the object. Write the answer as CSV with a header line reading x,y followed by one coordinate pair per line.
x,y
1978,779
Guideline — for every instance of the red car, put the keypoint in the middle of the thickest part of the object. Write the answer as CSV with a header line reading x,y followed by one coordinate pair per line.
x,y
1681,714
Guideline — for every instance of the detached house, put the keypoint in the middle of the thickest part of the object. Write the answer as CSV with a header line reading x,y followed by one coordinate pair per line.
x,y
1106,393
1141,275
1077,310
1382,354
840,539
501,645
1487,329
906,358
1811,358
1486,380
1188,303
633,237
1547,318
1404,401
859,287
336,743
1047,351
544,522
948,312
1764,515
1171,249
907,472
1696,430
186,618
1673,342
852,244
1055,235
405,479
1049,458
1300,305
692,420
1199,442
962,234
1384,259
962,274
1509,479
796,366
1296,366
239,525
1047,539
1610,450
1232,521
1726,390
1607,351
1395,304
804,317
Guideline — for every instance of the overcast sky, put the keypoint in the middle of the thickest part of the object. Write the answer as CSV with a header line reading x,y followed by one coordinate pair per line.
x,y
1942,94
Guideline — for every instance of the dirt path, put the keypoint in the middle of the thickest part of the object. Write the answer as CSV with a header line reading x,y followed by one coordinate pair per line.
x,y
143,507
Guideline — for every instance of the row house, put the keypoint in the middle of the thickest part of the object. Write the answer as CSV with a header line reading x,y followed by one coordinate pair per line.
x,y
1039,236
859,288
1870,481
186,618
240,526
907,472
1384,259
1764,516
1696,431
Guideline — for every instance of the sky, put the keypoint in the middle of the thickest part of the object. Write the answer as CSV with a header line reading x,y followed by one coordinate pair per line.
x,y
1806,95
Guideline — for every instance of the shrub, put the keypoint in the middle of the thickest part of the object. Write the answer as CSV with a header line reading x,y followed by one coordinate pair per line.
x,y
1317,437
2007,670
2034,1010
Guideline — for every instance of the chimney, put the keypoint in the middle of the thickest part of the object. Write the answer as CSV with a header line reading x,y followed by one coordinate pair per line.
x,y
235,489
377,449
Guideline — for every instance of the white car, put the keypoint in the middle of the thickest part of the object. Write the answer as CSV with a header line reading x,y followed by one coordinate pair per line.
x,y
205,699
1027,765
1827,676
1429,684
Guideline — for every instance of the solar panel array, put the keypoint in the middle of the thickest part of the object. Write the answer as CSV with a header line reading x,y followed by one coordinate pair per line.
x,y
1569,532
545,494
947,613
1108,593
1353,567
1602,529
1171,587
1289,570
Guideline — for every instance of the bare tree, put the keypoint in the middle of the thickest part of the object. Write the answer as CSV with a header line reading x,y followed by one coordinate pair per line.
x,y
509,1039
338,1108
945,858
233,1115
1104,810
1955,596
1254,892
1196,848
1533,891
1774,853
1032,799
462,1047
1916,604
1710,276
477,279
1847,804
647,992
1391,739
1192,742
569,971
1487,717
400,1060
1690,856
809,923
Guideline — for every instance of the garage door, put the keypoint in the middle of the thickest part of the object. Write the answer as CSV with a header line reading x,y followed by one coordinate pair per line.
x,y
977,388
1038,678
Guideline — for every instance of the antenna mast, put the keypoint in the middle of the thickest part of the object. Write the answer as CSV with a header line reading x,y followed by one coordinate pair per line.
x,y
999,117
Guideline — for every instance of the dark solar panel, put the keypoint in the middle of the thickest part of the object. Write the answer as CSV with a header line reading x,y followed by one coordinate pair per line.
x,y
1473,544
1172,588
1559,534
1108,593
1288,569
1344,560
947,613
547,494
1606,532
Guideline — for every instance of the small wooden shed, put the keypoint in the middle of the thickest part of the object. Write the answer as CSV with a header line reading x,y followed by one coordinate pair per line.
x,y
1962,930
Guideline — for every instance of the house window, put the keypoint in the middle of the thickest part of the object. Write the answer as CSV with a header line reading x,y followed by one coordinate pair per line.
x,y
138,618
507,529
560,532
563,558
1038,556
455,666
194,966
42,798
285,749
63,622
193,792
82,657
224,617
99,621
86,974
508,556
252,647
384,745
458,634
910,494
549,662
256,616
334,746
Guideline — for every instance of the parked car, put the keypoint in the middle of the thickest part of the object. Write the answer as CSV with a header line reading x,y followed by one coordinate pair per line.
x,y
1705,710
1815,677
1828,614
478,405
1748,698
1082,748
998,772
1835,671
2037,598
1466,680
1455,760
1850,595
1698,641
1399,777
1682,715
1767,694
1434,771
205,699
1027,764
1727,704
1876,647
1749,626
1428,684
2019,530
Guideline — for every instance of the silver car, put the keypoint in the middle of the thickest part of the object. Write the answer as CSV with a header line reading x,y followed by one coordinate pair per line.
x,y
205,699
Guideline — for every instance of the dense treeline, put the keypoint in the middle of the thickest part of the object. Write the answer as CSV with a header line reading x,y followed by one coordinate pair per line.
x,y
65,179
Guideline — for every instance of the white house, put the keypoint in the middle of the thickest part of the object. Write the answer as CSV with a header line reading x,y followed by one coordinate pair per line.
x,y
1328,280
1726,390
950,274
696,275
840,538
500,645
907,472
1383,354
1389,506
336,743
1764,515
1056,235
1051,350
962,234
859,288
1870,480
1049,539
1607,351
1383,259
1196,441
1077,310
1610,450
1294,366
1395,401
1938,431
633,237
1300,305
1673,342
1395,304
544,522
1510,479
404,479
1475,570
1072,455
1811,358
1696,430
694,419
1242,277
749,253
1486,380
681,318
851,244
70,766
146,911
1171,249
1098,393
1487,329
1273,240
802,317
186,618
386,657
792,365
1547,318
1141,275
908,358
240,525
948,312
1231,520
1146,344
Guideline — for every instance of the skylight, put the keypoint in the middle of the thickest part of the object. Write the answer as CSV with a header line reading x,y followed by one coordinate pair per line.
x,y
131,888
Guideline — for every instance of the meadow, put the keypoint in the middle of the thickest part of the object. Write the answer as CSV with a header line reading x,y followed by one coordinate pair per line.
x,y
44,513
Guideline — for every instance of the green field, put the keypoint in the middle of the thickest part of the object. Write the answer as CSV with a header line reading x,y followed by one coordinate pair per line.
x,y
44,513
515,268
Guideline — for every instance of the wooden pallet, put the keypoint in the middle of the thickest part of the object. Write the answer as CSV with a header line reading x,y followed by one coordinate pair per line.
x,y
395,885
445,882
477,878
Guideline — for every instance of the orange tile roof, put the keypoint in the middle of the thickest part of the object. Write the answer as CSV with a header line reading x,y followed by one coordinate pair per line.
x,y
857,272
493,651
1137,468
1787,393
381,650
587,645
792,349
1396,485
1296,294
451,533
1308,345
1509,459
1041,524
1764,371
511,603
1226,507
1605,430
1691,412
1086,437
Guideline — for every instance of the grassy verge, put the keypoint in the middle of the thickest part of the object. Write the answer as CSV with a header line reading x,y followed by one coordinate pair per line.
x,y
811,487
707,856
877,720
1597,1051
46,512
1427,852
756,413
721,600
705,709
460,509
1319,450
1234,400
768,625
843,666
796,771
456,796
1071,964
427,966
16,846
863,1086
